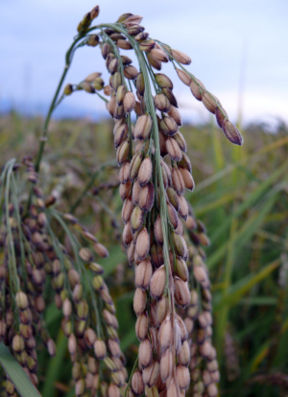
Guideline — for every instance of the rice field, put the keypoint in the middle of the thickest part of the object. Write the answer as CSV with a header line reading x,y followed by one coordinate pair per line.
x,y
240,196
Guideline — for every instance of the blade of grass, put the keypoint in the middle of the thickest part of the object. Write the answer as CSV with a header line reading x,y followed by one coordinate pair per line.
x,y
16,373
239,289
223,312
54,367
244,234
252,199
221,174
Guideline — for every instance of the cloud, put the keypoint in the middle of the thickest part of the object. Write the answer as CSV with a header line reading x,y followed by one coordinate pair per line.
x,y
217,35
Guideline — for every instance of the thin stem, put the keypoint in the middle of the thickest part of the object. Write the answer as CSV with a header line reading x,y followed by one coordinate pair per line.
x,y
15,196
101,97
155,85
130,376
108,211
90,184
54,103
14,279
43,137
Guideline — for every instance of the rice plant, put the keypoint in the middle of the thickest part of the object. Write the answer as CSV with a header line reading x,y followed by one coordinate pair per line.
x,y
49,255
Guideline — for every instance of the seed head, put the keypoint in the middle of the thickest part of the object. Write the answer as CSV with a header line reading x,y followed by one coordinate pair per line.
x,y
158,281
173,149
130,72
67,307
68,89
178,181
182,293
168,126
180,245
145,172
142,244
212,390
147,45
210,101
173,389
125,190
124,44
137,384
72,344
114,348
101,250
135,165
162,103
183,355
137,219
120,132
21,300
124,173
165,334
158,55
180,268
158,234
115,80
120,93
142,127
159,310
184,76
79,387
139,301
168,92
183,208
172,215
18,344
182,377
140,85
232,133
163,81
197,88
143,273
141,326
181,57
127,236
175,114
145,353
100,349
166,365
129,101
146,197
151,373
200,275
94,12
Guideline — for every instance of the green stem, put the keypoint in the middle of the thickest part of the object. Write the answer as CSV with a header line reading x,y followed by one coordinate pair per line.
x,y
12,265
130,376
53,105
43,137
101,97
90,184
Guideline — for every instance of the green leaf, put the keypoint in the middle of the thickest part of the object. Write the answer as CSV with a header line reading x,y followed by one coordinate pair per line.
x,y
16,373
252,199
54,366
247,230
239,289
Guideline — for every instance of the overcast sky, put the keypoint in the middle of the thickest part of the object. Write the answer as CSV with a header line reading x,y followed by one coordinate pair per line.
x,y
238,50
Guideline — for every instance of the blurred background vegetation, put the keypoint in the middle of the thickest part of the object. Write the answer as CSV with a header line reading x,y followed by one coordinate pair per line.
x,y
241,196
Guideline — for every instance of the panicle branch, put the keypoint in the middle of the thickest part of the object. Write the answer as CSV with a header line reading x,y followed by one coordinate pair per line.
x,y
161,236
